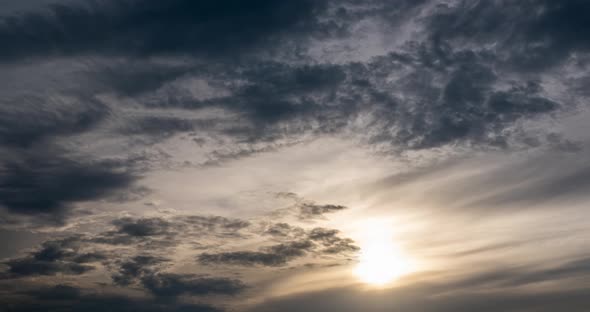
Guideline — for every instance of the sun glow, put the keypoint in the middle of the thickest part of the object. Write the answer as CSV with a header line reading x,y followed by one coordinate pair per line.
x,y
381,261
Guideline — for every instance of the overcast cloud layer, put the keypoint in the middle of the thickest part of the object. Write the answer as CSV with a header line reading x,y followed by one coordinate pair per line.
x,y
229,155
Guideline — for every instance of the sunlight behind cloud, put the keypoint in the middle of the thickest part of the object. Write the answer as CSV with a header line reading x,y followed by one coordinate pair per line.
x,y
381,260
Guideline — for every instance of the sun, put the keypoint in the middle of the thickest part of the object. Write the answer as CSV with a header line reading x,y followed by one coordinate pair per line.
x,y
380,261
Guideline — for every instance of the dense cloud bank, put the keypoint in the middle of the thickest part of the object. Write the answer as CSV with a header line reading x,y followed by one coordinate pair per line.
x,y
476,72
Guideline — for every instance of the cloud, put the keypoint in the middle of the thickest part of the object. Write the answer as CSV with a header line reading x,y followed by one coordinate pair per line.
x,y
142,227
180,27
501,288
147,232
64,297
41,178
145,270
414,298
272,256
172,285
31,267
423,95
420,96
54,257
48,184
101,94
304,210
159,126
465,106
131,270
32,118
299,244
332,242
530,35
459,99
308,211
520,276
214,223
134,77
494,184
283,230
414,98
156,233
56,293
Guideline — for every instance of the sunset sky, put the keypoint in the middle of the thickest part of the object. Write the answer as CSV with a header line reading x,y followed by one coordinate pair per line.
x,y
294,155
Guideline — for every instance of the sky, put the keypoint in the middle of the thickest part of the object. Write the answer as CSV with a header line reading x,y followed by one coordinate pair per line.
x,y
282,155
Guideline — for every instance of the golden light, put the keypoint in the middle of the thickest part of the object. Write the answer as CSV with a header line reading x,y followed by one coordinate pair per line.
x,y
381,261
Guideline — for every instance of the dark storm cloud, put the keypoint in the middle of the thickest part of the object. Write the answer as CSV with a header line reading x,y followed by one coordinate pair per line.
x,y
582,84
32,267
15,241
161,127
54,257
142,227
276,255
117,238
448,92
531,35
432,100
149,233
276,100
133,77
450,99
467,108
78,254
172,285
299,244
419,112
48,184
58,292
68,298
278,92
145,27
56,250
156,233
131,270
37,177
89,257
29,119
273,101
145,270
